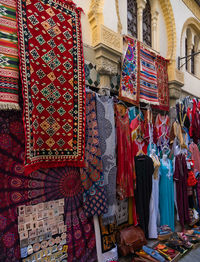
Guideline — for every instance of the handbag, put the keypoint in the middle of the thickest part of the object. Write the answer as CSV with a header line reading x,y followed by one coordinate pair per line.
x,y
130,239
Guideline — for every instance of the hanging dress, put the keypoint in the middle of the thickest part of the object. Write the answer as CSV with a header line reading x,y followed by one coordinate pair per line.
x,y
162,125
144,171
166,194
180,177
125,168
154,201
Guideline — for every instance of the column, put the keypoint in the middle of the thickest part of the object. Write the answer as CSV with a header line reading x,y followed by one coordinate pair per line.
x,y
154,29
140,5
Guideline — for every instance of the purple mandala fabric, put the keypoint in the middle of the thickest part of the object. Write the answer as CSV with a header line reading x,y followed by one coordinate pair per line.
x,y
17,189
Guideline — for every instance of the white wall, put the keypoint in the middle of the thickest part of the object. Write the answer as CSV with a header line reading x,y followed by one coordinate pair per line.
x,y
181,14
110,15
86,33
162,34
192,84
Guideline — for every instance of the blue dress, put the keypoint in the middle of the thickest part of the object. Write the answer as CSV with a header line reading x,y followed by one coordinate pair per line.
x,y
166,194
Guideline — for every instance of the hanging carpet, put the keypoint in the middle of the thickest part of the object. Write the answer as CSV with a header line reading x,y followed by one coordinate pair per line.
x,y
9,69
162,83
129,88
17,189
52,72
148,76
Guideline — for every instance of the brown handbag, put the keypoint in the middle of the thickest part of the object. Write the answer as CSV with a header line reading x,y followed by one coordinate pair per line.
x,y
130,239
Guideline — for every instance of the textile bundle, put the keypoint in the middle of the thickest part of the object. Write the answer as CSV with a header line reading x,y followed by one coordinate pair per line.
x,y
148,77
52,70
38,187
9,71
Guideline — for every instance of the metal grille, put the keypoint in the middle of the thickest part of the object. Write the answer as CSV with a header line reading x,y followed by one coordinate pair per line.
x,y
147,24
186,53
192,61
132,17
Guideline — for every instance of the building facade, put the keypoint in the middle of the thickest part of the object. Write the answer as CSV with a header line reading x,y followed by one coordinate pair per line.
x,y
171,28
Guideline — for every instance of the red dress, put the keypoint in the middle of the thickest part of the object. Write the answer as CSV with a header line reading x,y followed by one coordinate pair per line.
x,y
125,167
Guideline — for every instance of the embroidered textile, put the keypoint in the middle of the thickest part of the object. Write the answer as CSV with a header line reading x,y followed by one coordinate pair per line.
x,y
125,174
46,185
162,83
129,90
106,126
94,198
9,70
148,77
52,72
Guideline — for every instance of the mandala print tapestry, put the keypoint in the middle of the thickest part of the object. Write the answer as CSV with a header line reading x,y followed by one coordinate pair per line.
x,y
148,77
52,72
162,79
129,88
95,202
17,189
107,138
9,69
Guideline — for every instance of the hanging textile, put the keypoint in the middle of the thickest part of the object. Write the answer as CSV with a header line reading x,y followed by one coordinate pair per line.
x,y
9,69
95,202
144,171
195,155
107,140
166,194
129,88
162,83
162,125
154,201
125,174
180,177
46,185
52,70
148,76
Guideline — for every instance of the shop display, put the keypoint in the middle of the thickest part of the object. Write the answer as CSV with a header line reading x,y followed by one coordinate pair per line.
x,y
9,70
53,83
88,173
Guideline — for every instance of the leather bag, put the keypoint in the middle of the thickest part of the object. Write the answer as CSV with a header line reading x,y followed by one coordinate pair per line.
x,y
130,239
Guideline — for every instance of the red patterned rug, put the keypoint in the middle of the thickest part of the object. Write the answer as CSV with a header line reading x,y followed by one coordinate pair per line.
x,y
40,186
52,72
162,83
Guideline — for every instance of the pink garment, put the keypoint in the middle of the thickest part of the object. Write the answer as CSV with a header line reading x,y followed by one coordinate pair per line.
x,y
195,155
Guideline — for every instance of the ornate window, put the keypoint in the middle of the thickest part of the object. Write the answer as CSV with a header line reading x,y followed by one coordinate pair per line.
x,y
147,24
132,17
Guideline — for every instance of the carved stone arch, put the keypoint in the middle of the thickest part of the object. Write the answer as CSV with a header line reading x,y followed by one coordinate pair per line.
x,y
171,35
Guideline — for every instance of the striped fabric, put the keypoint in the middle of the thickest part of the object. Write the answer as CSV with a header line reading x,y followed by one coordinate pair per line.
x,y
148,77
9,72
